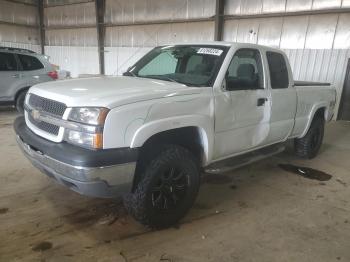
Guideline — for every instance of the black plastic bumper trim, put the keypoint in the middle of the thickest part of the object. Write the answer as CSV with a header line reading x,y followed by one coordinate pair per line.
x,y
74,155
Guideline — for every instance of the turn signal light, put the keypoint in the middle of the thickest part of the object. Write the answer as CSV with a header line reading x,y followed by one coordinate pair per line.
x,y
98,141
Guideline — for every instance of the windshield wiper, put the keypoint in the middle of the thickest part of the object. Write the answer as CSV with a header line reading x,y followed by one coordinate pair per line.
x,y
129,73
173,80
163,77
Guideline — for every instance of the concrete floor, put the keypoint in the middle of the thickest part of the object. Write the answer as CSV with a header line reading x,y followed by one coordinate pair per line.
x,y
257,213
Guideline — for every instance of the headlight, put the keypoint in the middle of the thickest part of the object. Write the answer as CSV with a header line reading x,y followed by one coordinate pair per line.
x,y
88,130
88,115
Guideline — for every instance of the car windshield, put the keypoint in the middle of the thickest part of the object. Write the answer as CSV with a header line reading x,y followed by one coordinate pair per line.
x,y
188,65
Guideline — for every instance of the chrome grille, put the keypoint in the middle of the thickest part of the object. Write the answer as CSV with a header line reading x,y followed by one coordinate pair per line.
x,y
47,127
47,105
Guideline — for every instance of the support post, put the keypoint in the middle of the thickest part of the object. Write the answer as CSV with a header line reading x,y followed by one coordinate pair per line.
x,y
41,25
219,19
100,7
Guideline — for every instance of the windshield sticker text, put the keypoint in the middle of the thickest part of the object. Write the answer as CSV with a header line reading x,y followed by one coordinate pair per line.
x,y
209,51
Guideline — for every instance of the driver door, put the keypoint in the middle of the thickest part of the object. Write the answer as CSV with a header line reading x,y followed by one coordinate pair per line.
x,y
243,106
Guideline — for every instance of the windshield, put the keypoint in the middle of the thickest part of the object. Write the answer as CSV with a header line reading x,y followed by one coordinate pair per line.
x,y
189,65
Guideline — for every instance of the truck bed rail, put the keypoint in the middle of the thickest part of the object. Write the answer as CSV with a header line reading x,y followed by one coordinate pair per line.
x,y
307,83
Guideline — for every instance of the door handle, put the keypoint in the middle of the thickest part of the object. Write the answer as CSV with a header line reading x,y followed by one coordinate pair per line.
x,y
15,76
261,101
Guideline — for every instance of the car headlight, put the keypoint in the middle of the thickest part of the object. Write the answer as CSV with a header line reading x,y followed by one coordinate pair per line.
x,y
88,130
88,115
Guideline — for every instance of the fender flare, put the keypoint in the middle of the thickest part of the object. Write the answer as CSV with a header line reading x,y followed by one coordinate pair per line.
x,y
313,111
206,131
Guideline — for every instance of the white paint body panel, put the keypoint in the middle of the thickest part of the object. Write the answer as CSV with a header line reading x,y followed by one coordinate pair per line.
x,y
109,92
229,123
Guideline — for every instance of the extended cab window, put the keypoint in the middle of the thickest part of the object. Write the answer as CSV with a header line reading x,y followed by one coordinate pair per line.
x,y
30,63
245,71
7,62
278,70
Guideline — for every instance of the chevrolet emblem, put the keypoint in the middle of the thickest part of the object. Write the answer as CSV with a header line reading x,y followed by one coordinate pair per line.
x,y
36,115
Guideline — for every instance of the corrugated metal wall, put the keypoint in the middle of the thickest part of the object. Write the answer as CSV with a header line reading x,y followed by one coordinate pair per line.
x,y
126,11
64,2
70,15
18,13
127,39
317,44
18,25
249,7
127,43
73,49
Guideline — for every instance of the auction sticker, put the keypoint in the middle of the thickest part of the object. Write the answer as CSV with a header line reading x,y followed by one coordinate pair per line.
x,y
210,51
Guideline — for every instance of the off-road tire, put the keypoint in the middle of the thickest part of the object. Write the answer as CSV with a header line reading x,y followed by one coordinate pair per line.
x,y
141,203
20,102
309,145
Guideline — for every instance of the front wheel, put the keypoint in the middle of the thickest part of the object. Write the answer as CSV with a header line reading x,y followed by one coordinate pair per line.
x,y
309,145
167,189
20,102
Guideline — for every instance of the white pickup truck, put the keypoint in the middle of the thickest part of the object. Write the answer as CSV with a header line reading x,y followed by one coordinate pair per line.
x,y
179,110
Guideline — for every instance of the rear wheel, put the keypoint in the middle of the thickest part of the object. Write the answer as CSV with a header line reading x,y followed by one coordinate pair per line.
x,y
167,188
309,145
20,102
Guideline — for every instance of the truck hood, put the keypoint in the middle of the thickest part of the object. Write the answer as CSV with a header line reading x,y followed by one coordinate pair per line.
x,y
109,92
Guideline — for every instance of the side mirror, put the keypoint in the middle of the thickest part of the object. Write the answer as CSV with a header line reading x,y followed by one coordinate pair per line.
x,y
230,85
241,84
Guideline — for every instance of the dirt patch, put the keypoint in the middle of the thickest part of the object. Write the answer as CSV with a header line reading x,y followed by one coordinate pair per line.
x,y
242,204
5,124
3,210
164,258
216,179
122,254
306,172
201,206
341,182
42,246
103,214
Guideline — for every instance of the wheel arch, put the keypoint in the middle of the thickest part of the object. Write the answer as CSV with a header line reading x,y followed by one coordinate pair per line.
x,y
195,137
320,110
19,91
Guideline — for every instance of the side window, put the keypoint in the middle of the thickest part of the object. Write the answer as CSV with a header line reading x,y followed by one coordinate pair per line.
x,y
30,63
245,71
7,62
164,63
278,70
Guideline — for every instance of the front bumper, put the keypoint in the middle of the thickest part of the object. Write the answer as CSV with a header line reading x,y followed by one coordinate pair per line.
x,y
101,173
